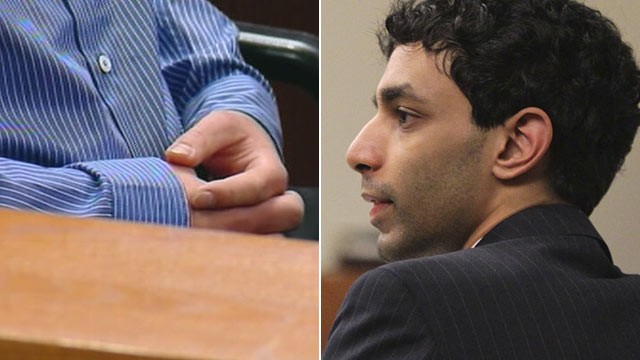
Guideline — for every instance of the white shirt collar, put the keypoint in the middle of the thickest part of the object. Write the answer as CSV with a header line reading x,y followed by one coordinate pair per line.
x,y
476,243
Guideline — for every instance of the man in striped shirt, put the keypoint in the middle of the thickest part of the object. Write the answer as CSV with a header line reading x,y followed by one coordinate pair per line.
x,y
107,107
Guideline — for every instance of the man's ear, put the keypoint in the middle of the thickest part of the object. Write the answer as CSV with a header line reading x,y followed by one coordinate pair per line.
x,y
524,141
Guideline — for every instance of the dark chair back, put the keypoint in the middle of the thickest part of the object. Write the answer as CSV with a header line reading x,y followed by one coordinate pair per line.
x,y
292,57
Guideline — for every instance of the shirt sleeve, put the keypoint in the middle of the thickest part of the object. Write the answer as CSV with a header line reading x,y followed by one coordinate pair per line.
x,y
121,189
379,319
203,67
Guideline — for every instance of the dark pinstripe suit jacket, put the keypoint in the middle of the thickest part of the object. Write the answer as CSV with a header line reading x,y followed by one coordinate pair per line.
x,y
540,285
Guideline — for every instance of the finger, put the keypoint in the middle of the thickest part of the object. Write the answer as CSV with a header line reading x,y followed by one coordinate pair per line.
x,y
264,179
214,132
187,177
276,215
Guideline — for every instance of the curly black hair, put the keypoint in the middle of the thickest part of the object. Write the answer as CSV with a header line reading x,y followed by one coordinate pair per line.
x,y
558,55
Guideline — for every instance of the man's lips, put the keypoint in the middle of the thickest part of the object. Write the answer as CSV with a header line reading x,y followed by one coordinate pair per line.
x,y
379,204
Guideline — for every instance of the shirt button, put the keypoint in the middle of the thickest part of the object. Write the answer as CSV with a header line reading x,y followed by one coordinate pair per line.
x,y
104,63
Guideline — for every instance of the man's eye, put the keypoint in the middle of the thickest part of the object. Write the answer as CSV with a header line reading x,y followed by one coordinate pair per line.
x,y
403,116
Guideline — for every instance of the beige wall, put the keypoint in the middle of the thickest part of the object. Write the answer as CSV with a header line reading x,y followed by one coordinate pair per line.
x,y
351,67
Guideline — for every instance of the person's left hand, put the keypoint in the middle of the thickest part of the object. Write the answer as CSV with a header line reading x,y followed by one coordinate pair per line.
x,y
243,163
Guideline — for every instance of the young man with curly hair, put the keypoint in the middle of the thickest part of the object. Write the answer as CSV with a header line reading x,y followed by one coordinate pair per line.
x,y
499,127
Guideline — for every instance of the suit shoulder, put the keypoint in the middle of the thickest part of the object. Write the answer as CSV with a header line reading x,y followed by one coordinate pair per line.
x,y
466,265
382,278
380,319
469,275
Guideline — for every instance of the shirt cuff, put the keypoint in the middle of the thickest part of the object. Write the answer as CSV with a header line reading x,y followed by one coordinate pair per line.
x,y
142,189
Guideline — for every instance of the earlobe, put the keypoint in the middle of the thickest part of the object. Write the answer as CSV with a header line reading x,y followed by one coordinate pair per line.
x,y
525,142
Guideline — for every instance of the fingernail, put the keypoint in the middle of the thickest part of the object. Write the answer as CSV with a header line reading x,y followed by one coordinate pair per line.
x,y
182,150
204,200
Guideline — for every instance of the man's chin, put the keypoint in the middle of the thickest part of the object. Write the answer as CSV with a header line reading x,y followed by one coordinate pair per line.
x,y
391,247
396,246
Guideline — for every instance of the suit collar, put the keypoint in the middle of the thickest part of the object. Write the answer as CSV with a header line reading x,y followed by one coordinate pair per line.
x,y
544,220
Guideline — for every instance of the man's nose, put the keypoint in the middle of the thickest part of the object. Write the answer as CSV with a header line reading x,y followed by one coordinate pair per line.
x,y
365,154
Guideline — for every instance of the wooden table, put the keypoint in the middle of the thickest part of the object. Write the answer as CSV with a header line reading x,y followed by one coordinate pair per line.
x,y
99,289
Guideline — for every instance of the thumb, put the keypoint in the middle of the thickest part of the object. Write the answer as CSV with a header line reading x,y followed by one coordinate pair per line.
x,y
198,143
181,153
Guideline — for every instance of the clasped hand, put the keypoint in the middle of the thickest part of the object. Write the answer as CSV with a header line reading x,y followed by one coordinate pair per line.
x,y
247,191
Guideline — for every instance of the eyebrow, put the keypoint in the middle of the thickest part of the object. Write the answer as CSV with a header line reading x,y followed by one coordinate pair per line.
x,y
391,93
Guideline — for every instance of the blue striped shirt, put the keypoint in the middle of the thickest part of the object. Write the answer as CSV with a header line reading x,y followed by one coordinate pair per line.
x,y
93,91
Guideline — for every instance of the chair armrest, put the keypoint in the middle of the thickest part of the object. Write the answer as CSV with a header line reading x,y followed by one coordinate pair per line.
x,y
282,55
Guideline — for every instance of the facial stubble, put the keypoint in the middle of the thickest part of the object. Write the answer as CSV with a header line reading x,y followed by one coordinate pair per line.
x,y
443,213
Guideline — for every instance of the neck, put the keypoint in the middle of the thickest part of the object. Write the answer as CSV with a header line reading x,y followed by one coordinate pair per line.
x,y
508,203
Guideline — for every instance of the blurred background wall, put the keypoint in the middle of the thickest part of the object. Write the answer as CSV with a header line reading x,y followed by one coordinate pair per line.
x,y
351,68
